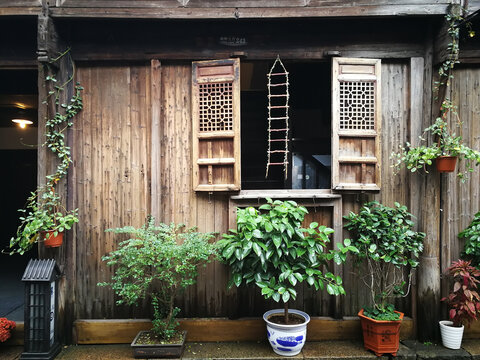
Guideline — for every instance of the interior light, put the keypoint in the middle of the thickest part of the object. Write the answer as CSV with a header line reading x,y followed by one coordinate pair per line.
x,y
22,122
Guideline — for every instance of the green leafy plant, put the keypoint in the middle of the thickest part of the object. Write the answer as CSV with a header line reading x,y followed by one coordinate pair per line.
x,y
387,245
270,248
157,262
463,301
471,235
43,210
447,142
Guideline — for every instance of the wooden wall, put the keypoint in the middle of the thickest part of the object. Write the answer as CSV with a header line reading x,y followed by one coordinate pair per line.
x,y
132,156
460,201
111,174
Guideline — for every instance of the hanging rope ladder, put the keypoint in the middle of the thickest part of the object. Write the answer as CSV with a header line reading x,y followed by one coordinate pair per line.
x,y
278,97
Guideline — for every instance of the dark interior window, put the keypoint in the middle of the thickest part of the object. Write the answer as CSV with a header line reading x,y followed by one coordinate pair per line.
x,y
309,160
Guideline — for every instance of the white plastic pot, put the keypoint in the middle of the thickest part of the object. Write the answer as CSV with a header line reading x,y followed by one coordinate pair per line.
x,y
451,335
286,340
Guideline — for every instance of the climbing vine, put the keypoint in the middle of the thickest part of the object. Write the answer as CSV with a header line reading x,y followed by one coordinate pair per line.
x,y
43,210
447,142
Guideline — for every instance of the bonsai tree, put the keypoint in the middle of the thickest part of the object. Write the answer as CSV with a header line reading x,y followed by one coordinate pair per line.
x,y
471,235
270,248
157,262
387,245
463,301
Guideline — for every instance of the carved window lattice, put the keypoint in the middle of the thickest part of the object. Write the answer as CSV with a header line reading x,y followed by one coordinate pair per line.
x,y
216,107
357,105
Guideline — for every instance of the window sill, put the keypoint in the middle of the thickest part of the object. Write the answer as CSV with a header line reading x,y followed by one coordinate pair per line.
x,y
286,194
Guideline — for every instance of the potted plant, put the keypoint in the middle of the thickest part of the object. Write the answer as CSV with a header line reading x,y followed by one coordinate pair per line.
x,y
6,326
444,151
272,250
471,235
45,220
387,246
463,302
157,263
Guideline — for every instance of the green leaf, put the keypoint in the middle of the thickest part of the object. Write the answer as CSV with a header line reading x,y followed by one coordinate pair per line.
x,y
286,297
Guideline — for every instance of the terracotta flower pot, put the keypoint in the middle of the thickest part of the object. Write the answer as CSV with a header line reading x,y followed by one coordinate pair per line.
x,y
380,336
446,163
51,240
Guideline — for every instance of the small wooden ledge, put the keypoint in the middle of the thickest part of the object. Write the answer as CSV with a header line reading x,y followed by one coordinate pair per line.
x,y
286,194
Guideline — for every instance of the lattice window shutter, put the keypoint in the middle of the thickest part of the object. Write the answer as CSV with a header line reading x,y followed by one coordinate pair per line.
x,y
356,124
216,125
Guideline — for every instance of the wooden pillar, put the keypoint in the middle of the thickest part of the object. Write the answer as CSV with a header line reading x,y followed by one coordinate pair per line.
x,y
428,275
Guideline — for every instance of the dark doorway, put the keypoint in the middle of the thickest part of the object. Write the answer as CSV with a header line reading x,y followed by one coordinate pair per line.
x,y
18,157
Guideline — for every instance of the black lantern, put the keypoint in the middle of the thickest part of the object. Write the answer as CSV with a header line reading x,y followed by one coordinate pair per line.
x,y
41,336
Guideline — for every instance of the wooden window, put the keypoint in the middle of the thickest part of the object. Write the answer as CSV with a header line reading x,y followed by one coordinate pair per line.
x,y
216,125
356,123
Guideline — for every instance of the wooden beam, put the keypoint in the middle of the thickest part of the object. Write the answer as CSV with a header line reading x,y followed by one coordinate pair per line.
x,y
219,329
251,13
20,11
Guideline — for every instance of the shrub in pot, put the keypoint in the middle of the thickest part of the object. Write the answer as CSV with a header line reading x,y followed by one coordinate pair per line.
x,y
272,250
471,235
463,303
157,263
388,252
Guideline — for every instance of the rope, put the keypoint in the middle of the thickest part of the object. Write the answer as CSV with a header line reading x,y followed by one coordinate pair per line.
x,y
278,113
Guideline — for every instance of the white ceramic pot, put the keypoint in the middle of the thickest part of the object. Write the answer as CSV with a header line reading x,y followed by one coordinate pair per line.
x,y
286,340
451,335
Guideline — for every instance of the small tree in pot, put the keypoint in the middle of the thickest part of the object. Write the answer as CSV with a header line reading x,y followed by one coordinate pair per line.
x,y
387,246
270,248
463,302
157,262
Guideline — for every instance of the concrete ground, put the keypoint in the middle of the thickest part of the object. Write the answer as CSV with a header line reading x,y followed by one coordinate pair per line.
x,y
324,350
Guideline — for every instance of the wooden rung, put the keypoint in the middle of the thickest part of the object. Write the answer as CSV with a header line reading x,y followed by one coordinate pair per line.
x,y
277,74
278,95
278,118
216,161
278,163
358,159
279,84
277,140
278,107
277,130
278,151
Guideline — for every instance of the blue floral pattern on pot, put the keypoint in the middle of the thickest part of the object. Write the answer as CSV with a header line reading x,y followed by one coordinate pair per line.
x,y
287,340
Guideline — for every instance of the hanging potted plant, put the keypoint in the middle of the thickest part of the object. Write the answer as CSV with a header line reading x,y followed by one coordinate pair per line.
x,y
387,247
44,219
445,151
157,263
272,250
463,303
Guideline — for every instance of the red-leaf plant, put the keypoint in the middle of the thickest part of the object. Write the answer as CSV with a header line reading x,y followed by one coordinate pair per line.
x,y
6,326
463,301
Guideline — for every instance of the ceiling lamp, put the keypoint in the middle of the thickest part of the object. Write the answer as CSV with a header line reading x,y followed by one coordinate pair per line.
x,y
22,122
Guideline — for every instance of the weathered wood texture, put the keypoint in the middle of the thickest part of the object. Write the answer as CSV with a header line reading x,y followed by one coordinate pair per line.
x,y
114,171
196,9
197,39
221,329
460,201
110,174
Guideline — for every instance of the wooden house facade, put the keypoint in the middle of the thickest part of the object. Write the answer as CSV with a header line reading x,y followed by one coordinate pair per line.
x,y
158,74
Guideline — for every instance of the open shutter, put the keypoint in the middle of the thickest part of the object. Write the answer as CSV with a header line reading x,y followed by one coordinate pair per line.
x,y
216,125
356,123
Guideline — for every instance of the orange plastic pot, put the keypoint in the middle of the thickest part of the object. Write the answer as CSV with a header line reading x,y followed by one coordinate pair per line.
x,y
382,337
50,240
446,163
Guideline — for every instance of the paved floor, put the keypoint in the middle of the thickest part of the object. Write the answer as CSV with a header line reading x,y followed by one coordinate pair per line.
x,y
324,350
